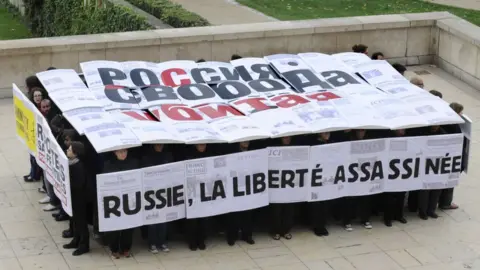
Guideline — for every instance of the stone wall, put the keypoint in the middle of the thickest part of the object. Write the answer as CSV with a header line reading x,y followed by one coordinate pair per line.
x,y
459,49
409,39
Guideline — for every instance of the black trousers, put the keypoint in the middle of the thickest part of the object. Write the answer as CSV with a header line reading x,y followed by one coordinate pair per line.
x,y
350,205
196,230
79,221
446,197
120,241
413,200
319,213
428,200
282,217
239,221
393,205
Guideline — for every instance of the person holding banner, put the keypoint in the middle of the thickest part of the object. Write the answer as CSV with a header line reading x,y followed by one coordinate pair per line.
x,y
78,185
35,95
120,242
319,210
196,228
243,220
394,201
428,199
282,213
348,205
360,48
154,155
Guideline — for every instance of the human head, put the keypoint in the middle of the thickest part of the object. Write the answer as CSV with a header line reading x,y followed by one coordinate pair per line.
x,y
244,145
417,81
236,56
37,95
400,68
325,136
360,134
399,132
69,135
378,56
286,140
201,147
31,82
121,154
360,48
45,106
51,68
76,149
201,60
457,107
158,147
436,93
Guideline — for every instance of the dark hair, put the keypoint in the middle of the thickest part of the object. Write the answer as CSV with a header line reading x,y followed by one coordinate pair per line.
x,y
35,89
376,55
400,68
457,107
78,148
201,60
436,93
31,82
71,133
51,68
359,48
236,56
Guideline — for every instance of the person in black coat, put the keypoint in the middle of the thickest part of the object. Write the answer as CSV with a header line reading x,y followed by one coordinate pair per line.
x,y
319,210
446,197
428,199
282,213
196,228
242,220
363,204
120,242
154,155
78,186
393,201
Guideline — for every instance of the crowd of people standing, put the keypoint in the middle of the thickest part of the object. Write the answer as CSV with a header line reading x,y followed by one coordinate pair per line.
x,y
85,164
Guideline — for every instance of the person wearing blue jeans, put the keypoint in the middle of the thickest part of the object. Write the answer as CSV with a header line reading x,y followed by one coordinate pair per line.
x,y
157,237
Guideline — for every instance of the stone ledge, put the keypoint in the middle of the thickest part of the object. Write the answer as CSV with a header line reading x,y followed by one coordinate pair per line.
x,y
218,33
461,28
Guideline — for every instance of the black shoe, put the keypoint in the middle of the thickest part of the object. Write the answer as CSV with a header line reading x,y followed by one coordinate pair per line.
x,y
70,245
249,240
423,216
62,217
29,179
231,242
55,215
80,251
321,232
202,246
433,215
401,220
388,223
192,247
67,234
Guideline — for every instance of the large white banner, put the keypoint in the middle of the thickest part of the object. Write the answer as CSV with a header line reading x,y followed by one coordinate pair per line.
x,y
248,180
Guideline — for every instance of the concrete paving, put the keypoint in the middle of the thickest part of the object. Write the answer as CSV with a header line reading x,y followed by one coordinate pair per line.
x,y
31,239
219,12
470,4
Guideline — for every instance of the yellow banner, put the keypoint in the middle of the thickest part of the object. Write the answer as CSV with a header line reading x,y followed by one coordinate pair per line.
x,y
25,124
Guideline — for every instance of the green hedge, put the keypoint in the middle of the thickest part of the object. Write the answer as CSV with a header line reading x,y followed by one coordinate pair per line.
x,y
170,13
48,18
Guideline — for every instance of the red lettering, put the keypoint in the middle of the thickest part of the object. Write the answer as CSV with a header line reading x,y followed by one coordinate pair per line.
x,y
167,77
287,101
180,112
257,104
218,111
323,96
139,115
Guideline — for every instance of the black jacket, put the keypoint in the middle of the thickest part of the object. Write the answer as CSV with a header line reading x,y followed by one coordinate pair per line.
x,y
115,165
152,158
78,180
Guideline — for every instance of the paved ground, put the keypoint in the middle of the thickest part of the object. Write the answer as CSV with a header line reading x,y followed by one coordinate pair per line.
x,y
219,12
30,239
470,4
